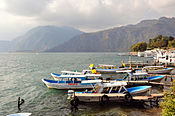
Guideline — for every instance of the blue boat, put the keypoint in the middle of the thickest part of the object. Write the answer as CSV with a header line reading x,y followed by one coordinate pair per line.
x,y
140,77
68,83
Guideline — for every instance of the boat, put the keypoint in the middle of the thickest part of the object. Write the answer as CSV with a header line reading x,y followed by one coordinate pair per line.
x,y
107,92
20,114
70,74
140,78
156,70
68,83
103,68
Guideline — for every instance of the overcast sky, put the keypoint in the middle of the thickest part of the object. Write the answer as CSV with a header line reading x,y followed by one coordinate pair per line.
x,y
18,16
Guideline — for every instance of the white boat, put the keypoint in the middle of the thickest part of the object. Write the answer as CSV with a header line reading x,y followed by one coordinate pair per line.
x,y
71,74
68,83
107,92
156,70
103,68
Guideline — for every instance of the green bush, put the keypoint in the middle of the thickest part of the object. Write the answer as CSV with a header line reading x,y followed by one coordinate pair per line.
x,y
168,105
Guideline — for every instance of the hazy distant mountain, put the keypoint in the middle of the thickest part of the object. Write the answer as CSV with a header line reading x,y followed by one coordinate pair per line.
x,y
4,45
119,38
43,37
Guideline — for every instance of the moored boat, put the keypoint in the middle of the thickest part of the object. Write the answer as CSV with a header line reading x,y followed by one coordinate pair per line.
x,y
103,68
68,83
140,77
156,70
107,92
71,74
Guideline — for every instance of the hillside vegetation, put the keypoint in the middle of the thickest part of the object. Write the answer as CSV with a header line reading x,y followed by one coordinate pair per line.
x,y
160,41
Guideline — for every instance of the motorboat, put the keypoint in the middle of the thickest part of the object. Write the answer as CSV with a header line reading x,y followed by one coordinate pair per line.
x,y
70,74
132,77
103,68
68,83
156,70
103,93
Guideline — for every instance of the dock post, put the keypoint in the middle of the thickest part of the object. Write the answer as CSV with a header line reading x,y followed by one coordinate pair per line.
x,y
130,62
157,102
166,78
165,65
137,64
151,105
171,78
150,91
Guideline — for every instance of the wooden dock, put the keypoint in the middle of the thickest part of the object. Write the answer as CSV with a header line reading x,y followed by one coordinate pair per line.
x,y
150,97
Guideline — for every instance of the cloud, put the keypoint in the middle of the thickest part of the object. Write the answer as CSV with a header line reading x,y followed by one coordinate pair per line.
x,y
163,7
26,7
87,15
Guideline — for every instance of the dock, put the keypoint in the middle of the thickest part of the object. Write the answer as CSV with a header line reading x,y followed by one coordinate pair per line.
x,y
148,98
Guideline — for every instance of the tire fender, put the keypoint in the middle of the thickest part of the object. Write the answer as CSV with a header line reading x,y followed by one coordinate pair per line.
x,y
104,100
75,101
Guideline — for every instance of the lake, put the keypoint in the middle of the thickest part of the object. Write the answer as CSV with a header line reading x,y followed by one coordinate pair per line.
x,y
21,74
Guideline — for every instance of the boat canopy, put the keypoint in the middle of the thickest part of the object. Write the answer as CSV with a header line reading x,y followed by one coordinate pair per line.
x,y
91,81
139,74
72,76
123,71
114,84
153,67
70,72
106,65
93,75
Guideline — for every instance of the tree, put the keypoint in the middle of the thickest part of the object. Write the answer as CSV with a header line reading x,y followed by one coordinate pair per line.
x,y
168,105
159,41
171,44
139,47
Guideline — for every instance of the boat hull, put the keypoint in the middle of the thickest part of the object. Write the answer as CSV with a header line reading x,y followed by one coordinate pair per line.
x,y
144,81
156,78
56,85
166,71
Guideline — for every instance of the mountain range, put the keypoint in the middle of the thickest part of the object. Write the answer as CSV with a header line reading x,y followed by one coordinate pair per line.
x,y
68,39
40,38
118,38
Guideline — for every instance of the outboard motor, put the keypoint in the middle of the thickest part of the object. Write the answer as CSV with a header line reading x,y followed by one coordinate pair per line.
x,y
70,94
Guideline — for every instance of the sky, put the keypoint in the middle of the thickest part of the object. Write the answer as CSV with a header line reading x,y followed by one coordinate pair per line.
x,y
19,16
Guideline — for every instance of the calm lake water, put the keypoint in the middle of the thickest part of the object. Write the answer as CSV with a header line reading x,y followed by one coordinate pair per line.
x,y
21,74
